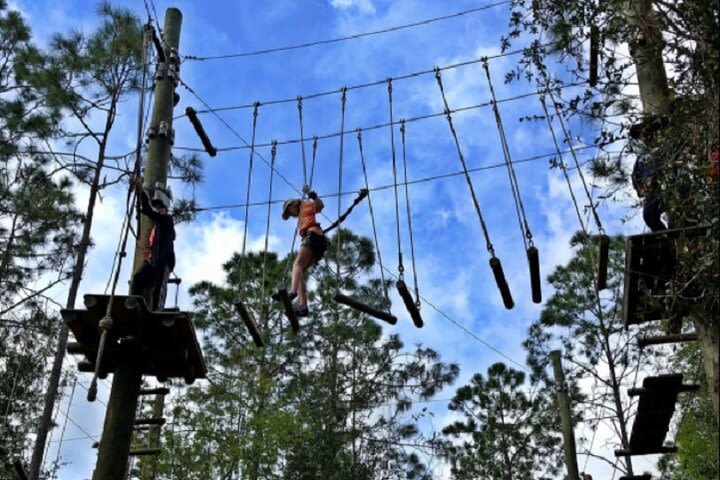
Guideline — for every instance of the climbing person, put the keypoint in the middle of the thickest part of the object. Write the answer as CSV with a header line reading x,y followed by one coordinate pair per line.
x,y
644,174
585,476
312,247
160,252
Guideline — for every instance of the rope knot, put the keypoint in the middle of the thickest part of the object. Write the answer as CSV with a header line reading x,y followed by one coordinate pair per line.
x,y
105,323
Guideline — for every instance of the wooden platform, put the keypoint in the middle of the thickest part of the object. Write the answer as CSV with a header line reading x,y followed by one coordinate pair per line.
x,y
645,476
649,270
167,339
658,396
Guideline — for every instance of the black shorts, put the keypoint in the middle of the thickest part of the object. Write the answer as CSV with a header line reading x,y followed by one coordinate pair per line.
x,y
317,243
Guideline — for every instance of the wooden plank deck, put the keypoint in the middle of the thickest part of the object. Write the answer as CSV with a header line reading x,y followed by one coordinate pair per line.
x,y
167,339
658,396
649,272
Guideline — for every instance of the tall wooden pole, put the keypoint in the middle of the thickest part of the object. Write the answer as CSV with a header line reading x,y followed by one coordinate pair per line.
x,y
114,446
565,417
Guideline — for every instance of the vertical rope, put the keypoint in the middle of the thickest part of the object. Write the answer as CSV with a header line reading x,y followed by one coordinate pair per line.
x,y
273,153
519,207
401,268
312,163
256,107
566,134
409,215
488,243
302,139
372,216
338,235
563,167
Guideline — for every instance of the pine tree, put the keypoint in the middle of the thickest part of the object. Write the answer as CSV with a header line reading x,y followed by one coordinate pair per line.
x,y
333,401
505,432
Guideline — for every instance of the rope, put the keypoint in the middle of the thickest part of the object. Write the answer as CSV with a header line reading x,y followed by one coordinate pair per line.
x,y
360,196
106,323
409,216
372,216
273,154
378,126
514,186
488,243
340,169
401,268
249,183
348,37
575,159
563,167
312,165
302,139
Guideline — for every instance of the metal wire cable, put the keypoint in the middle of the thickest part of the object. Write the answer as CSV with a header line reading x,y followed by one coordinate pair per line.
x,y
563,167
514,186
401,268
249,183
372,216
347,37
390,185
566,133
312,164
372,83
408,213
489,245
302,139
273,154
338,236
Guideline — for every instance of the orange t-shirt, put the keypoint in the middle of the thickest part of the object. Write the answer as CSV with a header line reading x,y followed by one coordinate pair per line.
x,y
307,216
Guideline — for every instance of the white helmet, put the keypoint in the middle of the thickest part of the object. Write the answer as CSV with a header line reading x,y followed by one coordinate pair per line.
x,y
161,196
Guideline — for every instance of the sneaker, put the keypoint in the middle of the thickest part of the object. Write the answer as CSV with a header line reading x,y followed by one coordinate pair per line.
x,y
300,311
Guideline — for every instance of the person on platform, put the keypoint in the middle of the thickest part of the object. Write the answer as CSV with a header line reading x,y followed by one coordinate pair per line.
x,y
159,259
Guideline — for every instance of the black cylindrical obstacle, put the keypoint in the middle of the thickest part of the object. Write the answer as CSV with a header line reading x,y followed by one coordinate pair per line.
x,y
409,303
362,307
501,282
192,115
249,322
534,263
289,311
604,249
594,54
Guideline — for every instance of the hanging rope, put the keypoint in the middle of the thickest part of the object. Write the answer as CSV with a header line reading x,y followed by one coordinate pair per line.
x,y
372,217
249,183
340,170
409,216
302,140
488,243
312,164
106,323
360,197
519,207
401,267
533,255
495,263
568,140
273,154
563,167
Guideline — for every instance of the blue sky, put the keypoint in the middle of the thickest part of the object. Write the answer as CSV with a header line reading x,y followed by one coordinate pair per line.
x,y
452,263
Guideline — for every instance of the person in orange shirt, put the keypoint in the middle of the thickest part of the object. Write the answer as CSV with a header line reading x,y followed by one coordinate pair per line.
x,y
312,248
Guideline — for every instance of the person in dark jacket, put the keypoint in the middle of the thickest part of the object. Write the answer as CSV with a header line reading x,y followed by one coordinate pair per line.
x,y
644,174
160,253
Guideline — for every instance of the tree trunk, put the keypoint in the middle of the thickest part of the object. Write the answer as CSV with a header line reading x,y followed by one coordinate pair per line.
x,y
646,50
55,374
709,337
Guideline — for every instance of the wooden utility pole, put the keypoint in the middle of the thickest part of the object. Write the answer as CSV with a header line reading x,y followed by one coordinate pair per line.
x,y
565,417
117,433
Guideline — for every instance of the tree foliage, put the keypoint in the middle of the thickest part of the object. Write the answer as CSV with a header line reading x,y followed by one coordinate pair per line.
x,y
505,431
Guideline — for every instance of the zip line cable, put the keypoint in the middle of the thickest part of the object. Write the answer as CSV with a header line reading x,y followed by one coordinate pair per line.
x,y
378,126
373,83
347,37
389,186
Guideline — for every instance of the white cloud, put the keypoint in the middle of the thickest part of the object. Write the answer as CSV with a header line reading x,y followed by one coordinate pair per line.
x,y
364,6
